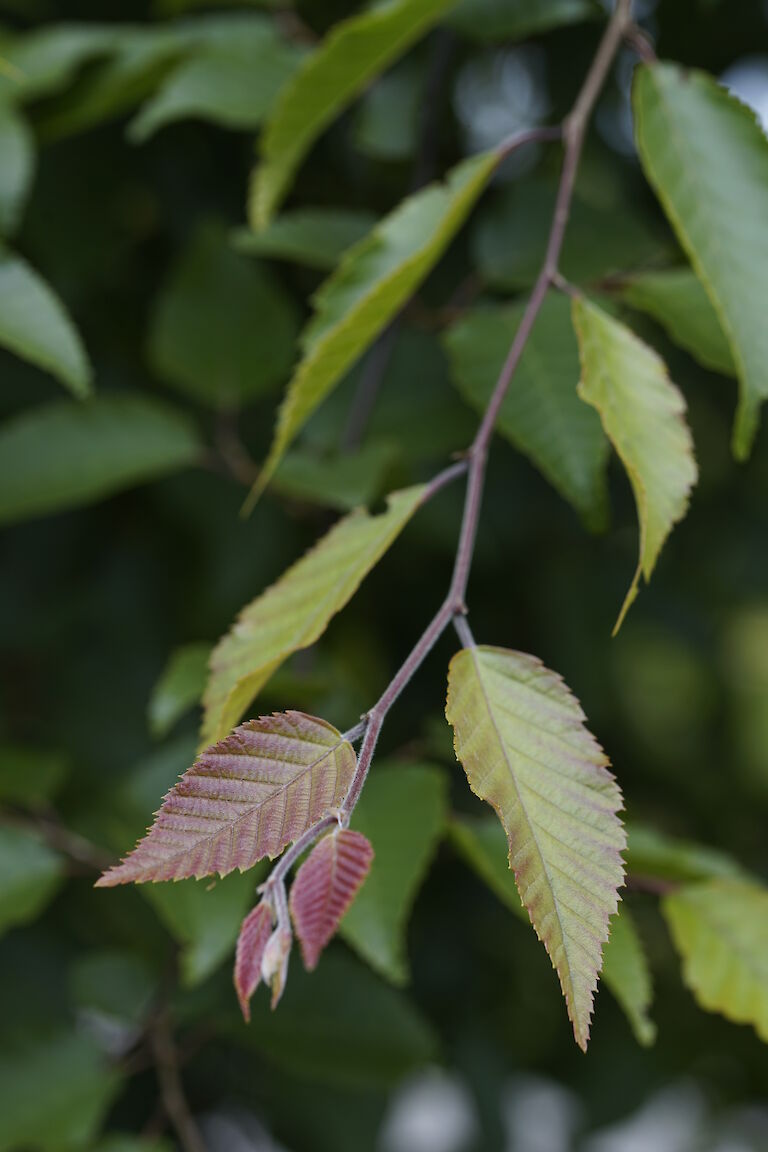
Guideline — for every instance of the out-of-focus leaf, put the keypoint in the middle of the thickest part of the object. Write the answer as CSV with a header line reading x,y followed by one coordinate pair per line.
x,y
718,210
515,19
483,844
521,738
179,688
510,237
746,678
30,875
126,1143
64,455
341,1025
316,237
626,973
643,414
296,610
114,984
541,414
203,918
342,482
40,62
35,325
372,282
55,1088
677,300
353,54
231,82
655,855
17,164
30,777
720,930
223,329
402,811
387,125
325,887
244,798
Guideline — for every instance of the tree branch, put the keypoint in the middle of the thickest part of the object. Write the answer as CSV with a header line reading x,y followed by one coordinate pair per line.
x,y
171,1088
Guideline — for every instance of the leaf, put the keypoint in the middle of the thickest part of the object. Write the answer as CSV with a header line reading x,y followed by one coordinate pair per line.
x,y
482,843
372,282
35,326
179,688
352,54
676,299
502,20
343,481
403,812
683,119
324,888
388,120
316,237
223,329
46,59
17,165
55,1090
521,738
30,777
294,612
541,414
244,798
255,931
231,82
203,919
116,1142
30,876
626,973
65,455
720,930
643,415
655,855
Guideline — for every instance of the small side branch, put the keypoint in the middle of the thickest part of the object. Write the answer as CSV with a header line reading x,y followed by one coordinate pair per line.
x,y
171,1089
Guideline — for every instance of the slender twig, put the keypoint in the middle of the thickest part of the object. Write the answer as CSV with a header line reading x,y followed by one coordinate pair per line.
x,y
463,631
640,42
171,1088
75,847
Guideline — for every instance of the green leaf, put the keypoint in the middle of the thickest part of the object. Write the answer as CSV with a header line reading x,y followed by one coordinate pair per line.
x,y
352,54
676,299
643,415
127,1143
720,930
17,165
492,20
387,123
179,688
116,985
295,611
718,208
340,1025
483,845
231,82
223,329
369,287
521,738
45,60
316,237
343,481
55,1090
541,414
626,973
64,455
203,918
35,325
30,777
30,876
655,855
402,811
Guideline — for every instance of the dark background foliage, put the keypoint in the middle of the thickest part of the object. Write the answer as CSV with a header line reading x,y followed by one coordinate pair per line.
x,y
95,600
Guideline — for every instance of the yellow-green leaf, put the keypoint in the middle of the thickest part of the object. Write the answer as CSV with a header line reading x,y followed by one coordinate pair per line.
x,y
626,973
370,285
643,415
520,736
295,611
707,158
720,930
354,53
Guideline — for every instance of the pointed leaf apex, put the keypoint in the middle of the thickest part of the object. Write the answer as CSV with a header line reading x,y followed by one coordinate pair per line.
x,y
251,944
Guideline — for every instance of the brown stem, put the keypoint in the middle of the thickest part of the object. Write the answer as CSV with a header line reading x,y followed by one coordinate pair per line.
x,y
171,1088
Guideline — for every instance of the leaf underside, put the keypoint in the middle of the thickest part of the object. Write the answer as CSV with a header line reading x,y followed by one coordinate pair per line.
x,y
244,798
251,943
325,886
294,612
643,416
520,736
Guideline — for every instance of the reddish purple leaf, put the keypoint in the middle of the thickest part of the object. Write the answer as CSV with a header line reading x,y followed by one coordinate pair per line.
x,y
325,886
244,798
254,935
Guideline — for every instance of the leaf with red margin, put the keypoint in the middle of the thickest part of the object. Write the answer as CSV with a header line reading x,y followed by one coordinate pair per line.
x,y
325,886
244,798
255,932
